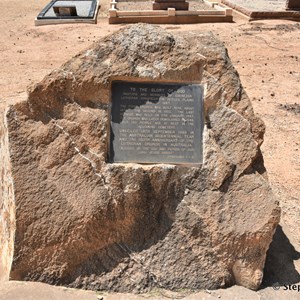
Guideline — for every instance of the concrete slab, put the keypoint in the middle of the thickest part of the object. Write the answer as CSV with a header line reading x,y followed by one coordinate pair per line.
x,y
84,8
86,12
263,9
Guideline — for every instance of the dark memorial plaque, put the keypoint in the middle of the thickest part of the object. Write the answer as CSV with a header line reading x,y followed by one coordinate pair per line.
x,y
156,123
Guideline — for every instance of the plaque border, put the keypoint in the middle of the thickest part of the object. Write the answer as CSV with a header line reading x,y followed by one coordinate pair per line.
x,y
165,82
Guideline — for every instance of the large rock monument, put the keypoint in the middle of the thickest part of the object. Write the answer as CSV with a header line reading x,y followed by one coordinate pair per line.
x,y
137,164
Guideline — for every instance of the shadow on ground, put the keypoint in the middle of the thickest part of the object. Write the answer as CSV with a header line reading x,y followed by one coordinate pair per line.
x,y
279,266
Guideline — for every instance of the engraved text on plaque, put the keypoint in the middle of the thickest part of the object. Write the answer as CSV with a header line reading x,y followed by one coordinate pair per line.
x,y
156,122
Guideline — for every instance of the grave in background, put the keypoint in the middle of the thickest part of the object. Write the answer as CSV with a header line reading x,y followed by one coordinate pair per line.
x,y
168,12
68,11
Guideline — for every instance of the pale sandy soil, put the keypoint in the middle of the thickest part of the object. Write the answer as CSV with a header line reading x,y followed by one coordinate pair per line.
x,y
39,291
267,57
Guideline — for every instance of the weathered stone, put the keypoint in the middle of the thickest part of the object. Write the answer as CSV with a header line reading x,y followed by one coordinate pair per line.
x,y
83,222
7,207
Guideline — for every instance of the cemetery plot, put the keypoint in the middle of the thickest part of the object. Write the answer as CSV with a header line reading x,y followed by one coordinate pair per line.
x,y
168,12
68,11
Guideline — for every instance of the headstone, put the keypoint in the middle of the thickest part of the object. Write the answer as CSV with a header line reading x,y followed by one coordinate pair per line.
x,y
293,4
64,11
156,122
165,4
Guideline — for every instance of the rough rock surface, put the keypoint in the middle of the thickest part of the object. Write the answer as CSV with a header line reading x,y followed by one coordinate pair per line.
x,y
83,222
7,207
